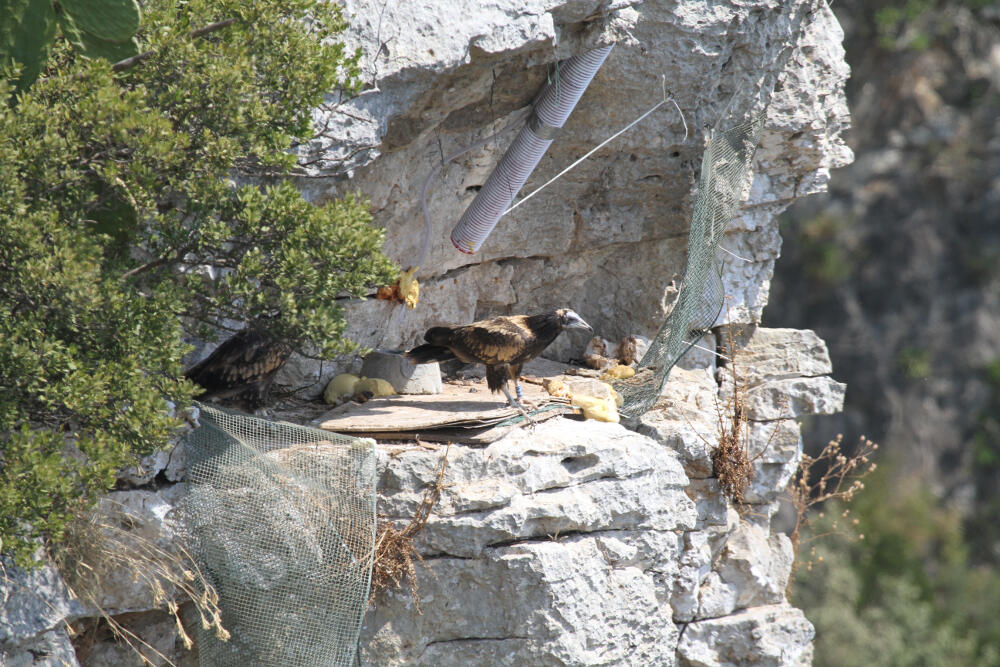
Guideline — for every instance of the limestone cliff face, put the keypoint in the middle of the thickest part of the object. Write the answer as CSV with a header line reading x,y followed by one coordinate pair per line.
x,y
581,543
609,238
572,543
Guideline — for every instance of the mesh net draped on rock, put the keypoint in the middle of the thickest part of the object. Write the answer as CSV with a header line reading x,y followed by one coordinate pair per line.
x,y
281,520
724,167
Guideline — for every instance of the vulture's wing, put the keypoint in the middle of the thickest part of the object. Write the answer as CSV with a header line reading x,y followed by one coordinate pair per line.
x,y
497,341
244,359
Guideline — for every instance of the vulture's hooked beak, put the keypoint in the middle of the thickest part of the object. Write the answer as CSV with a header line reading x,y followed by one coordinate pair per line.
x,y
574,321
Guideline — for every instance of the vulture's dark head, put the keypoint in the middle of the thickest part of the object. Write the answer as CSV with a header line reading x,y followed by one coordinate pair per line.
x,y
570,320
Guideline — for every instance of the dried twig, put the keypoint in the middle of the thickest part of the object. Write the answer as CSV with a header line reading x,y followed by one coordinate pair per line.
x,y
394,550
839,479
732,463
103,546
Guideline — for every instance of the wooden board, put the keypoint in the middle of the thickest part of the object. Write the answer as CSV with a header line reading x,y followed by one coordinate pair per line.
x,y
462,435
459,406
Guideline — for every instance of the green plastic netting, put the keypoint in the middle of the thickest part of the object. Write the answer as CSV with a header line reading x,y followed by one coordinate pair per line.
x,y
724,168
281,520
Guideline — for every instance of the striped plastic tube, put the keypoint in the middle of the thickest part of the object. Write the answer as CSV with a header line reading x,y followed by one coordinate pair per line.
x,y
553,107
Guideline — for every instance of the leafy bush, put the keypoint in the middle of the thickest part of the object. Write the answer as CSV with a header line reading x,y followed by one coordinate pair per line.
x,y
135,200
830,255
915,362
983,521
907,593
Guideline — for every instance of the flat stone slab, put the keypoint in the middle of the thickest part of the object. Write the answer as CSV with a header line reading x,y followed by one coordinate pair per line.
x,y
466,406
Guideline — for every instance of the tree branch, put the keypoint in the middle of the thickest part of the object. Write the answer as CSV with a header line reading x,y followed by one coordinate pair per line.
x,y
146,267
174,256
138,58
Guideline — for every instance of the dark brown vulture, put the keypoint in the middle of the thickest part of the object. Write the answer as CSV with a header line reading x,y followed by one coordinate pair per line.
x,y
503,344
242,368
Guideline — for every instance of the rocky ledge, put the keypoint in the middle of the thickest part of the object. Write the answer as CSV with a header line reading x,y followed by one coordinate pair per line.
x,y
567,543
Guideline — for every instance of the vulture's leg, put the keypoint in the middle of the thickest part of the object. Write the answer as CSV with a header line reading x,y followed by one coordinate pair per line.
x,y
256,399
510,399
263,397
520,396
514,403
515,374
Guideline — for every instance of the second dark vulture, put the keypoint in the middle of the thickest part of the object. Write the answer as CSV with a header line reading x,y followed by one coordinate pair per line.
x,y
241,369
502,344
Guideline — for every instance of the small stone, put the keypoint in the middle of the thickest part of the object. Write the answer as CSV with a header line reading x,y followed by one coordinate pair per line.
x,y
148,468
405,378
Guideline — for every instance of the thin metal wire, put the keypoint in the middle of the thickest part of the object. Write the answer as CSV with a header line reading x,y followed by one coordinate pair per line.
x,y
730,252
600,146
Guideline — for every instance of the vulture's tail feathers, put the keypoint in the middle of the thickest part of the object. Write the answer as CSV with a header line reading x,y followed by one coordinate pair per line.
x,y
424,354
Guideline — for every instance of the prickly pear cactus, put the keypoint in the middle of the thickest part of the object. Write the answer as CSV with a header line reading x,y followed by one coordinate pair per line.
x,y
27,28
110,20
92,45
96,28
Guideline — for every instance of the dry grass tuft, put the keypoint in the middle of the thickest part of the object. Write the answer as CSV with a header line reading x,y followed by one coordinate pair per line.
x,y
832,475
109,545
732,464
394,550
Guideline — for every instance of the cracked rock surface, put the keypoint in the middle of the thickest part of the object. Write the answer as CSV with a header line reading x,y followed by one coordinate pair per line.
x,y
607,239
570,543
575,543
555,546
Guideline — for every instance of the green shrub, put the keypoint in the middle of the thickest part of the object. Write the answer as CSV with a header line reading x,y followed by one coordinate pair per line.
x,y
829,255
983,522
915,362
133,201
907,593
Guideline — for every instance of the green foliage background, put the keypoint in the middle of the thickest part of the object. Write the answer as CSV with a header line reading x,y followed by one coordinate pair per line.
x,y
895,268
131,202
910,593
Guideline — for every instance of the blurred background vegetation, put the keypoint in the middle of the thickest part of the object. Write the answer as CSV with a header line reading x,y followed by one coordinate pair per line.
x,y
898,269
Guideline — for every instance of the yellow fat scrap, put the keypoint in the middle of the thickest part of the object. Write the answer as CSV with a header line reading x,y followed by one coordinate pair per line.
x,y
618,397
618,372
556,388
409,288
340,386
377,387
599,409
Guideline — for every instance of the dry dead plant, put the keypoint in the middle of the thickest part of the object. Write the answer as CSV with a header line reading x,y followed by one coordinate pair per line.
x,y
832,475
109,544
394,550
732,463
